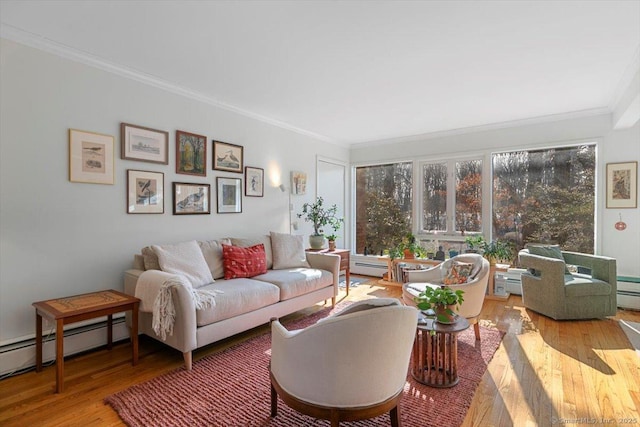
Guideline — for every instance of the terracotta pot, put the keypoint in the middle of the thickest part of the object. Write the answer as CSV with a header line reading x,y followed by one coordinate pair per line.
x,y
408,254
332,245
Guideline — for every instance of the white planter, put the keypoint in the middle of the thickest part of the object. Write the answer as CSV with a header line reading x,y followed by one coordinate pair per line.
x,y
316,242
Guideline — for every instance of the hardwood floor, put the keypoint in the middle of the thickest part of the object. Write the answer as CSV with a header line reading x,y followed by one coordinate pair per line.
x,y
544,373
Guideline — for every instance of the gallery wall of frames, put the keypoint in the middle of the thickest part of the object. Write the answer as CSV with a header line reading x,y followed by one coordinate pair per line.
x,y
92,160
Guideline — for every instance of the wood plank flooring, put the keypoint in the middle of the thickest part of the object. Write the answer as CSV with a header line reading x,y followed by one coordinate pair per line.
x,y
544,373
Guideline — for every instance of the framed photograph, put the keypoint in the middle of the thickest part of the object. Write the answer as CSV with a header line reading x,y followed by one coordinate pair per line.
x,y
91,158
145,192
253,182
227,157
229,195
622,185
191,153
144,144
298,183
191,199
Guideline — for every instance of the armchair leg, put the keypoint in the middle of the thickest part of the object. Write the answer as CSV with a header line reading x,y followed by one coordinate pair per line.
x,y
274,402
394,414
476,329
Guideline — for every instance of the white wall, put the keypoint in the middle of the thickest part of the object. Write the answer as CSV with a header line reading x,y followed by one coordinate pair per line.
x,y
59,238
615,146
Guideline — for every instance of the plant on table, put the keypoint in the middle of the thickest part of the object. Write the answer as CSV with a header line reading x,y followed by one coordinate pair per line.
x,y
474,242
443,300
407,248
320,216
497,250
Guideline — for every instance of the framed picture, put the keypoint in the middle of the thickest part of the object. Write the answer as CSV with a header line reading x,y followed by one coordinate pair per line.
x,y
253,182
191,153
91,157
298,183
144,144
191,199
227,157
622,185
229,195
145,192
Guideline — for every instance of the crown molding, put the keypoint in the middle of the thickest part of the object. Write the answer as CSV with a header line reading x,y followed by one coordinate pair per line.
x,y
36,41
488,127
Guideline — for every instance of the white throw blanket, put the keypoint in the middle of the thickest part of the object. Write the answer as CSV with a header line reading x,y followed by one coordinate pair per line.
x,y
154,290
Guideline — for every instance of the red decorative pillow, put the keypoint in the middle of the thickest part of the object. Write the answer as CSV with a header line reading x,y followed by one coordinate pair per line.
x,y
243,262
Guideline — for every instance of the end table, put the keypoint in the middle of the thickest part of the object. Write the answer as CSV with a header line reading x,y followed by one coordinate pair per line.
x,y
344,261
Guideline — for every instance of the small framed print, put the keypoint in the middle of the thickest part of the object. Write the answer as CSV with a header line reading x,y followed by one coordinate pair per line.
x,y
253,182
144,144
145,192
622,185
298,183
229,195
191,153
191,199
91,158
227,157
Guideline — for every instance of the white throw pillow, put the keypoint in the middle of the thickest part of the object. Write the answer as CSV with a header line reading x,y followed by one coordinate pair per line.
x,y
288,251
185,259
212,252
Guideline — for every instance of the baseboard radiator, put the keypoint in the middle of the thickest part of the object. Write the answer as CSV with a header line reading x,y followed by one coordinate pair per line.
x,y
20,356
629,292
367,267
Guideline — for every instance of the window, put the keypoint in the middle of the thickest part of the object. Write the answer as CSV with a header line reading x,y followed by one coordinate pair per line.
x,y
383,206
545,196
459,198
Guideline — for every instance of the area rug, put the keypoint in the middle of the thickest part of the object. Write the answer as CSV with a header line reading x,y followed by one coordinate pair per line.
x,y
632,329
231,389
353,281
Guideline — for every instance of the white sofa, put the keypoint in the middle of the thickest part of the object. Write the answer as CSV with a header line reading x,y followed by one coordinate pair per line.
x,y
240,303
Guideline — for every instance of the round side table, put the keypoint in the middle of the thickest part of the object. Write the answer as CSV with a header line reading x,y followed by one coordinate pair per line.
x,y
434,359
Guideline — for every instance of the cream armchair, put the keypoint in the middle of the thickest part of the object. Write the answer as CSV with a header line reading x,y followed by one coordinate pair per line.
x,y
474,290
350,366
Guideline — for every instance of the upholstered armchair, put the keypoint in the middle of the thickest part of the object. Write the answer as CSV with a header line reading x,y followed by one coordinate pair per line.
x,y
549,288
347,367
474,289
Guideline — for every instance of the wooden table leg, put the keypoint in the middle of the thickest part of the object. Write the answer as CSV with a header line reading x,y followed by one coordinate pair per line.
x,y
38,342
348,279
109,331
134,332
59,356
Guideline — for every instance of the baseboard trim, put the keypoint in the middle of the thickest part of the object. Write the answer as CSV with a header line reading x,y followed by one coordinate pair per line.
x,y
20,356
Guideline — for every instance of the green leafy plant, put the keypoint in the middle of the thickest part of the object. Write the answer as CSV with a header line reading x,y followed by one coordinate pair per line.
x,y
408,243
331,236
497,250
474,241
320,216
443,298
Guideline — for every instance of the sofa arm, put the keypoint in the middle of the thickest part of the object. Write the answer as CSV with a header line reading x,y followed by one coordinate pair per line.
x,y
602,267
328,262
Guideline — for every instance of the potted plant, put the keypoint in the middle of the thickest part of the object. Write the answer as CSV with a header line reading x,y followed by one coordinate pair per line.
x,y
474,243
443,300
331,238
408,248
497,250
320,217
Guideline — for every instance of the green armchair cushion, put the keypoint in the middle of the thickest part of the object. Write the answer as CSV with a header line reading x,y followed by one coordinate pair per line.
x,y
580,285
549,251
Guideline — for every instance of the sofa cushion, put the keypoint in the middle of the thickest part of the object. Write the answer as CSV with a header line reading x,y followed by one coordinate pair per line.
x,y
297,281
238,296
288,251
150,259
212,252
185,259
243,262
265,240
581,285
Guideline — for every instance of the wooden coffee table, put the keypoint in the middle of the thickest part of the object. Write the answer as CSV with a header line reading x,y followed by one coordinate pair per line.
x,y
82,307
434,359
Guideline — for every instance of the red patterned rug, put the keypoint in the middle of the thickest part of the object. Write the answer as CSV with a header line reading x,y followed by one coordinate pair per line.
x,y
231,389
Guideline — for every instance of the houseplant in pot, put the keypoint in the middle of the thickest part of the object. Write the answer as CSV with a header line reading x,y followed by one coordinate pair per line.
x,y
474,243
410,248
320,217
497,250
443,300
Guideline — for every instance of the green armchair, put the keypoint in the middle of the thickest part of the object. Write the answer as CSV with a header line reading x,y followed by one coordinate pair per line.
x,y
550,289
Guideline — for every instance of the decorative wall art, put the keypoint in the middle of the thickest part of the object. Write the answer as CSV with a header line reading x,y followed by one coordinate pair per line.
x,y
229,195
191,153
191,199
227,157
144,144
145,192
91,157
622,185
298,183
253,182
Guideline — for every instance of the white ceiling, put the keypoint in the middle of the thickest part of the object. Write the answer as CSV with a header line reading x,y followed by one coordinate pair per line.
x,y
355,71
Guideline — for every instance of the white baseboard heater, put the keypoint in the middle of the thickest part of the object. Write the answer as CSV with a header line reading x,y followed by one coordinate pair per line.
x,y
20,356
362,265
629,292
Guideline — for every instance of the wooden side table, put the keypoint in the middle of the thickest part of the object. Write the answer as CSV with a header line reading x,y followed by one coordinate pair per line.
x,y
345,261
82,307
434,359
